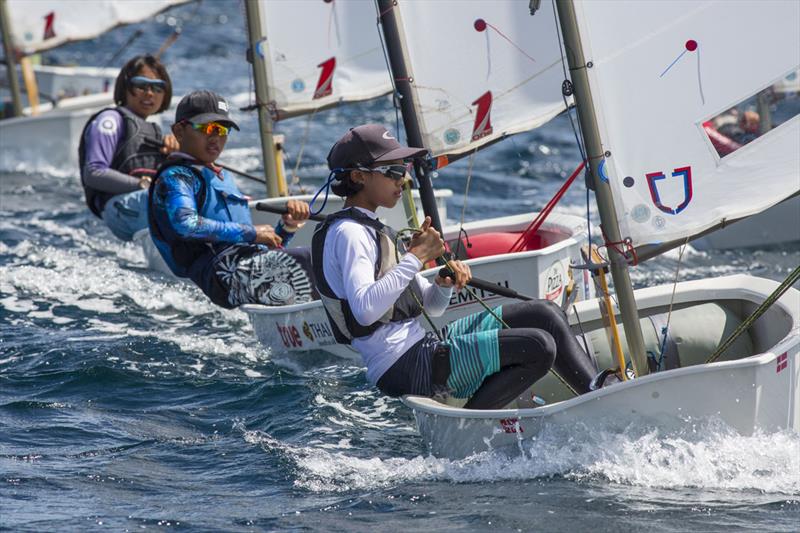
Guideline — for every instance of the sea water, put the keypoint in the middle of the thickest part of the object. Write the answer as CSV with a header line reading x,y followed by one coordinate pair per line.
x,y
128,401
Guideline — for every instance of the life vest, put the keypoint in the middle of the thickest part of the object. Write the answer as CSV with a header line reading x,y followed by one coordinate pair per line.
x,y
217,199
137,154
340,315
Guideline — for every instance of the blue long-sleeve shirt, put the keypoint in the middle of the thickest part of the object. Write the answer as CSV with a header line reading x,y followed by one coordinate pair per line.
x,y
178,216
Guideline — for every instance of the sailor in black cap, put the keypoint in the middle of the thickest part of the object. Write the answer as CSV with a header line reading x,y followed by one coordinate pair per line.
x,y
373,300
201,223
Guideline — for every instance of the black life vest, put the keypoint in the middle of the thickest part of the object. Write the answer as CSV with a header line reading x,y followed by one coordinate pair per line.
x,y
340,315
137,154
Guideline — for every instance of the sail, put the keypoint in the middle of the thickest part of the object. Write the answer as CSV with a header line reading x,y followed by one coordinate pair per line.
x,y
480,70
39,25
667,79
322,53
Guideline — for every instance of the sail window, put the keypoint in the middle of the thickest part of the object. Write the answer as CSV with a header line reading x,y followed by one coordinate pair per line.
x,y
754,116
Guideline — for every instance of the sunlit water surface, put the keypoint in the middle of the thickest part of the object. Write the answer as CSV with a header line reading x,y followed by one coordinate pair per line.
x,y
128,400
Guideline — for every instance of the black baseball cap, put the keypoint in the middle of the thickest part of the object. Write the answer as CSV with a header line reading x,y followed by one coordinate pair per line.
x,y
367,145
201,107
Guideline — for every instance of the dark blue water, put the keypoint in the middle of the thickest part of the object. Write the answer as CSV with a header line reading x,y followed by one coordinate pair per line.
x,y
127,401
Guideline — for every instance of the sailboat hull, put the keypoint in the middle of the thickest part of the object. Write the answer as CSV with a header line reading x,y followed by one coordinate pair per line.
x,y
539,273
753,392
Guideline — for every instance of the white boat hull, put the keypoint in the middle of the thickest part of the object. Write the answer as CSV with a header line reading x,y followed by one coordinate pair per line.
x,y
540,273
49,139
779,224
753,392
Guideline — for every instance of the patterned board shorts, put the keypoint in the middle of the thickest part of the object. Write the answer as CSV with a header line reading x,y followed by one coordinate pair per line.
x,y
474,351
256,274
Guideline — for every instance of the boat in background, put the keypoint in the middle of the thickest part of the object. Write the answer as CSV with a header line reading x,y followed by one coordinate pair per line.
x,y
50,133
643,98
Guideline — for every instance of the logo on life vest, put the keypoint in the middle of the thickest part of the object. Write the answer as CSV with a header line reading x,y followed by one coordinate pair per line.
x,y
684,181
554,282
483,116
49,31
325,82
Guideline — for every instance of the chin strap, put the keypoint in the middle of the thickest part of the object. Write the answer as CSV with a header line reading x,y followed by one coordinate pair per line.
x,y
326,187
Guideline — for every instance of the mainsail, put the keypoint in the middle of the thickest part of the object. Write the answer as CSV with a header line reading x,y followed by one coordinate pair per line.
x,y
660,72
39,26
321,54
480,70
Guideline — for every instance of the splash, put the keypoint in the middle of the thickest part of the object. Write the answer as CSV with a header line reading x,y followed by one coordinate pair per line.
x,y
710,457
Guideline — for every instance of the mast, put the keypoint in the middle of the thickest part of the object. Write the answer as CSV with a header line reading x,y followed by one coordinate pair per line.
x,y
258,52
397,60
8,50
605,201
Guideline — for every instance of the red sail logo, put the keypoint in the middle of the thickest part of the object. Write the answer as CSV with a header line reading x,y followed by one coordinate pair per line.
x,y
483,118
49,32
325,83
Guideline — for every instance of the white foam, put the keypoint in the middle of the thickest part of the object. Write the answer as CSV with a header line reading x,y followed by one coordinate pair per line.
x,y
708,458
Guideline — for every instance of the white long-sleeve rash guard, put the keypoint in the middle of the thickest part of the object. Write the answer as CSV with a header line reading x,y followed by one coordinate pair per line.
x,y
348,263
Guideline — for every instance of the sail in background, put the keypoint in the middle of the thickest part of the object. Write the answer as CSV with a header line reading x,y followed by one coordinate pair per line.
x,y
663,76
322,53
40,25
480,70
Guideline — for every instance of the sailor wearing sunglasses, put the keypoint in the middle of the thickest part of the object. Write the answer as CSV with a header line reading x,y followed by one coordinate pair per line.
x,y
120,150
201,224
373,299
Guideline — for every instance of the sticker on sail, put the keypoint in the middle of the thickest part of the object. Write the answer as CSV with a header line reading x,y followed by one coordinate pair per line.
x,y
483,116
671,195
49,30
325,82
452,136
640,213
298,85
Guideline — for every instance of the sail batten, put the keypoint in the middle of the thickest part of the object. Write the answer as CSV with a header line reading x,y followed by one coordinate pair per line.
x,y
40,26
670,82
480,71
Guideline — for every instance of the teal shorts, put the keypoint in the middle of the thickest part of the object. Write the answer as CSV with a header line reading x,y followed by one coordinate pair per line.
x,y
474,351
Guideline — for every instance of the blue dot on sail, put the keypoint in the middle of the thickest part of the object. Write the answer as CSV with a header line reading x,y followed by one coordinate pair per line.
x,y
640,213
298,85
452,136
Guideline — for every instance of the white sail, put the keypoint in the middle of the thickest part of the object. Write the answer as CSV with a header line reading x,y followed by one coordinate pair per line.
x,y
480,70
38,25
321,54
661,74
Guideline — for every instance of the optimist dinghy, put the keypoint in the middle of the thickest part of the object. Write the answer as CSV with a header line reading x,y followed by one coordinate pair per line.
x,y
50,133
638,128
753,386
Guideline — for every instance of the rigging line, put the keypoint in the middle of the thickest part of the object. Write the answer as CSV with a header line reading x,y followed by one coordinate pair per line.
x,y
771,299
395,94
575,131
545,212
466,190
665,329
295,177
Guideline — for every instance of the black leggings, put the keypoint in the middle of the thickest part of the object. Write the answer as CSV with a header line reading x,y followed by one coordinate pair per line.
x,y
537,339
